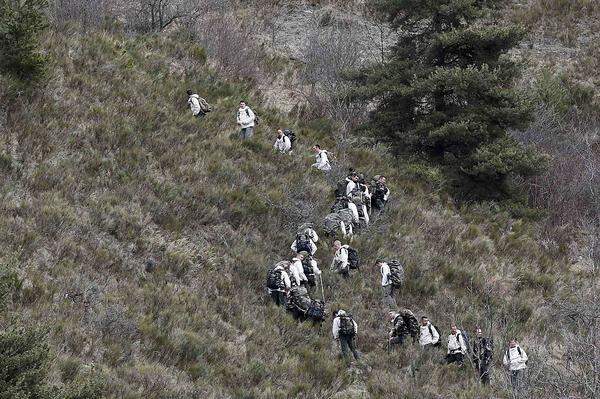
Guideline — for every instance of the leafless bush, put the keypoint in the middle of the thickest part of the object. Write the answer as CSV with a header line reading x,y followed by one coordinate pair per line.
x,y
570,368
330,53
228,40
87,13
569,190
156,15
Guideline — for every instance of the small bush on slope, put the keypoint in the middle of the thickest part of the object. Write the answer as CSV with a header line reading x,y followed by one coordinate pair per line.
x,y
111,169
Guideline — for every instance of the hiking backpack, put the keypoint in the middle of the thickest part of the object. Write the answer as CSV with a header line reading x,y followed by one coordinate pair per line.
x,y
340,189
274,281
316,311
439,341
412,324
290,135
303,243
518,350
465,337
353,259
396,273
256,118
346,325
204,105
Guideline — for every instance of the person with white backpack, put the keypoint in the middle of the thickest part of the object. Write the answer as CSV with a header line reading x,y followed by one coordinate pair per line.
x,y
246,120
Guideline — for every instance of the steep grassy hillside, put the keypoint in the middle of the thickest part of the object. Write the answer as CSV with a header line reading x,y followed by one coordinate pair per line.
x,y
105,168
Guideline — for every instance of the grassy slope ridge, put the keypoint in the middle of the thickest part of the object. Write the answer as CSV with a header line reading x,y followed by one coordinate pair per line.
x,y
110,168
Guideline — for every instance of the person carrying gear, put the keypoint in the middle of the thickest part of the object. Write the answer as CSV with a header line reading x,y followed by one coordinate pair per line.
x,y
282,143
308,229
344,330
278,282
311,269
387,285
245,119
304,242
380,194
297,271
457,346
399,330
515,360
483,351
429,336
412,324
340,259
339,222
302,307
198,105
322,157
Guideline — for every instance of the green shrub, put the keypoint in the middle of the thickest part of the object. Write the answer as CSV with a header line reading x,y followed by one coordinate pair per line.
x,y
21,23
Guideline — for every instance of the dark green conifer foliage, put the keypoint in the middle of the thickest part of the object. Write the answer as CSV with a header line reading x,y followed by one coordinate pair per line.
x,y
446,94
21,23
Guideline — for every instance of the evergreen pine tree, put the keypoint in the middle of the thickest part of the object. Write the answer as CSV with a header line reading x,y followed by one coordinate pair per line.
x,y
21,23
446,93
23,357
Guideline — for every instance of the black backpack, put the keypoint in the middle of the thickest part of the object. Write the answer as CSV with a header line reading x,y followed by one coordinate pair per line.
x,y
340,189
274,281
316,311
439,341
396,273
353,259
347,325
303,243
290,135
465,337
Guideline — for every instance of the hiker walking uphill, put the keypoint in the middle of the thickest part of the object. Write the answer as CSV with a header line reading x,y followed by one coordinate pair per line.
x,y
483,350
302,307
298,277
515,360
399,330
304,242
344,330
198,105
278,282
429,336
344,259
339,223
246,120
282,143
311,269
380,194
392,278
322,158
457,346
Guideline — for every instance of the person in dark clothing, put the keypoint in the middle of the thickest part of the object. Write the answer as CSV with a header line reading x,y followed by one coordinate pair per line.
x,y
483,350
380,194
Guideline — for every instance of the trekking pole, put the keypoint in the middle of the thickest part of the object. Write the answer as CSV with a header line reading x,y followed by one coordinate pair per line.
x,y
322,290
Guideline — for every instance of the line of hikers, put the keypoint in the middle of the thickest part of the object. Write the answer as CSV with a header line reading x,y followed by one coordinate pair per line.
x,y
289,282
458,347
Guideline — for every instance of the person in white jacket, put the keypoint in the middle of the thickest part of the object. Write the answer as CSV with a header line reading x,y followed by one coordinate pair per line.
x,y
194,103
353,190
283,143
515,360
386,283
297,271
344,330
322,159
429,335
245,119
340,259
457,348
